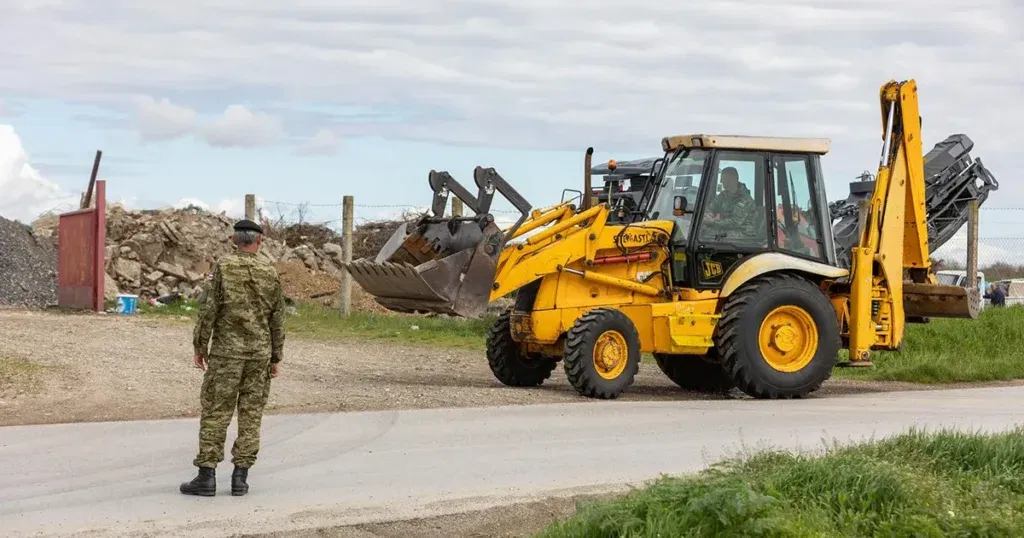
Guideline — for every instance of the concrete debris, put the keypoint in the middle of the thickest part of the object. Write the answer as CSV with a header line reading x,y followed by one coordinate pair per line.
x,y
158,253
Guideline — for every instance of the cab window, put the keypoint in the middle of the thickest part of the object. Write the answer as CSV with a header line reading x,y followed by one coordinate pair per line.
x,y
734,213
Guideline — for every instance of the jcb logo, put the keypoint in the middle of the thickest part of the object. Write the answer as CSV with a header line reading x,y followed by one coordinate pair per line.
x,y
712,268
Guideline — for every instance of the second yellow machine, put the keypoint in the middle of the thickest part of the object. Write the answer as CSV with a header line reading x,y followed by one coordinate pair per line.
x,y
726,273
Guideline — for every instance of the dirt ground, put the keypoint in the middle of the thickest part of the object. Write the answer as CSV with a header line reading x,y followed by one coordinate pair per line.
x,y
94,368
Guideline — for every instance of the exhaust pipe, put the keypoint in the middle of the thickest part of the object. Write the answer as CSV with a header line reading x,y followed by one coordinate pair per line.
x,y
585,203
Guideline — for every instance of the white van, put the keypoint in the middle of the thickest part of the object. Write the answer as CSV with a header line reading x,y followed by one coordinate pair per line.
x,y
955,277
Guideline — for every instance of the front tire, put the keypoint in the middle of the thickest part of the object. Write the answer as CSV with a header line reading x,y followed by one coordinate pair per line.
x,y
602,354
778,337
508,362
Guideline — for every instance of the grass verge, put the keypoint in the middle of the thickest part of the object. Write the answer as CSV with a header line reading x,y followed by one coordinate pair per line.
x,y
990,348
915,484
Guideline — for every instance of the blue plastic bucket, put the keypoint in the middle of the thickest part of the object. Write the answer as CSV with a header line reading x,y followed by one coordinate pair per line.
x,y
126,304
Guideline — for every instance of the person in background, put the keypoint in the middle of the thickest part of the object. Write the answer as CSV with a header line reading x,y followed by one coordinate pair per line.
x,y
996,295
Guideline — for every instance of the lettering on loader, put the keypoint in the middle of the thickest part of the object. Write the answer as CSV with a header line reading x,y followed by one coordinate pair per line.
x,y
712,268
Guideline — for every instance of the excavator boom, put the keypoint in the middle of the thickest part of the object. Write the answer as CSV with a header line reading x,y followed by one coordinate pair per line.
x,y
891,278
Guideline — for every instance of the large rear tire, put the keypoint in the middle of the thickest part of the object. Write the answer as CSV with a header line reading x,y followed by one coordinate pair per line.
x,y
696,372
508,362
602,354
778,337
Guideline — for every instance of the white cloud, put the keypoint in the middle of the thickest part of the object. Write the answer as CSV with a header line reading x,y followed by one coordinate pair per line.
x,y
237,126
24,193
554,74
240,127
163,120
324,142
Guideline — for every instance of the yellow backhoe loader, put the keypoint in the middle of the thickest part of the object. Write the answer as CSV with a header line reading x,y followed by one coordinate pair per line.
x,y
727,272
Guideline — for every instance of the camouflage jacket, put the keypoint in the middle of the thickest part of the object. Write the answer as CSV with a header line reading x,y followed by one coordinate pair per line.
x,y
242,310
737,210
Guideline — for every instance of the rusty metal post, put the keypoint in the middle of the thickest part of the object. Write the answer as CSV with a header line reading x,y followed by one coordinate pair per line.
x,y
87,197
972,244
250,206
99,249
456,206
347,208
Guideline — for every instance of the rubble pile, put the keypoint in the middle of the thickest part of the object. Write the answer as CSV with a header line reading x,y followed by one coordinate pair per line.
x,y
157,253
28,267
370,237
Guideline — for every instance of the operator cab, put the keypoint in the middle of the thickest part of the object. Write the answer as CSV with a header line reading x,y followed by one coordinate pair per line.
x,y
732,197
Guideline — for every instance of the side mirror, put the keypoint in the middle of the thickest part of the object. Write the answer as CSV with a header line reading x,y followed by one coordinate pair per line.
x,y
679,206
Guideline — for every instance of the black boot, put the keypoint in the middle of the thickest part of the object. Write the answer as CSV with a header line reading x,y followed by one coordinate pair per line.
x,y
204,484
238,485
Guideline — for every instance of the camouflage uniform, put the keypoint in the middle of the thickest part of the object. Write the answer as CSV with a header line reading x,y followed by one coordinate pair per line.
x,y
737,211
241,308
243,311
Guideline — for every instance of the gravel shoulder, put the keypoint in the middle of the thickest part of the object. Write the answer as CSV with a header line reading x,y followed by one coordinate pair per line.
x,y
89,367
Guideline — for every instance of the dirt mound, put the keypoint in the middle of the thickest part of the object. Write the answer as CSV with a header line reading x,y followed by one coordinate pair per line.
x,y
28,267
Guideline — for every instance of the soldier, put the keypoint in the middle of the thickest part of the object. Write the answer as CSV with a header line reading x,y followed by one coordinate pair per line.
x,y
732,210
242,309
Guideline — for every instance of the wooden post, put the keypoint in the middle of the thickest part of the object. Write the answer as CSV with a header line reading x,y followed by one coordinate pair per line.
x,y
972,245
250,206
347,207
456,206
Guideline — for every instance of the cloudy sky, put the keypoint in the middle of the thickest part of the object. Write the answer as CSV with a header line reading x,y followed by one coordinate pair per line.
x,y
210,99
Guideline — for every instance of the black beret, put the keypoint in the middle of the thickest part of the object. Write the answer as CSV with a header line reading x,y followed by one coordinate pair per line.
x,y
246,225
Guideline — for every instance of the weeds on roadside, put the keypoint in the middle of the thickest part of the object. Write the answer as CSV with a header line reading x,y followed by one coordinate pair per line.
x,y
916,484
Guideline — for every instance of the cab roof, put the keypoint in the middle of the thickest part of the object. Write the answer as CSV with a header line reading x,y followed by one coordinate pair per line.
x,y
742,142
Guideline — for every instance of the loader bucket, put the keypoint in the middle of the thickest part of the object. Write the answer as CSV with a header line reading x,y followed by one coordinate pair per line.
x,y
432,269
443,265
940,301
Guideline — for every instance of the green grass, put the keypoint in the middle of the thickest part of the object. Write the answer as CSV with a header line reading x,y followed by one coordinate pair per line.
x,y
915,484
316,321
990,348
311,320
19,373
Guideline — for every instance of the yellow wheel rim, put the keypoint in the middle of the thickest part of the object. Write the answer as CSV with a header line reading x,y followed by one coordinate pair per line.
x,y
788,338
610,354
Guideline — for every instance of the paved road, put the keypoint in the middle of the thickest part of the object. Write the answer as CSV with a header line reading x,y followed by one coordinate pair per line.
x,y
334,469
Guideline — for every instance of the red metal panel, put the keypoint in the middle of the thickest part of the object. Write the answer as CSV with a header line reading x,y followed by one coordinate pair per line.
x,y
75,257
81,255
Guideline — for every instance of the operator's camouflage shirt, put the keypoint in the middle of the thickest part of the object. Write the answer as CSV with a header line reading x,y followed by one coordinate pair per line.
x,y
242,309
736,209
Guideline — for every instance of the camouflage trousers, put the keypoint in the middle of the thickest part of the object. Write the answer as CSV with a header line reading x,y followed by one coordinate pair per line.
x,y
229,384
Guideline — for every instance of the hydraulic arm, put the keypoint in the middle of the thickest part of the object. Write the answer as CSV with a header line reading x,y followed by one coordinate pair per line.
x,y
891,278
